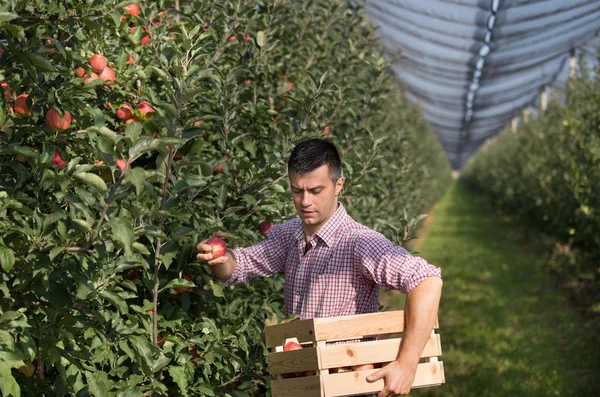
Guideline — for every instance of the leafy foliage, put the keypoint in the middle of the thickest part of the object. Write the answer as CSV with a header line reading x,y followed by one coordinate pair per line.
x,y
100,291
548,174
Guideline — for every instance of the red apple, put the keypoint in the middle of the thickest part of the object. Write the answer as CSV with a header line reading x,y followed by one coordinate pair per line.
x,y
264,227
108,75
289,84
4,85
232,38
325,130
121,164
49,42
130,60
247,82
89,79
56,122
218,247
181,290
80,72
21,107
146,110
98,63
248,38
291,346
58,161
363,367
132,9
124,112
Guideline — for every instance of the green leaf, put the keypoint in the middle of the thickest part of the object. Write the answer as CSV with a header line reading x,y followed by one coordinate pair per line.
x,y
105,132
146,144
41,63
92,180
122,231
217,290
133,131
178,375
7,259
141,248
7,16
116,300
260,38
137,177
177,282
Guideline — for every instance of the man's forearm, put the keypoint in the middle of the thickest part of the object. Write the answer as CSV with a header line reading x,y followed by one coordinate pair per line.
x,y
223,271
421,310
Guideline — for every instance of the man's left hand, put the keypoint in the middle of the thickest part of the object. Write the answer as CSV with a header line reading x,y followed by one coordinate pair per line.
x,y
398,378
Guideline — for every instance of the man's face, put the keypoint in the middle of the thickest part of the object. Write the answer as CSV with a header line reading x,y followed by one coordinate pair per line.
x,y
315,197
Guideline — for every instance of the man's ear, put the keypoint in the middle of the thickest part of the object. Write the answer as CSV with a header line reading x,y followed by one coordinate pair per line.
x,y
339,185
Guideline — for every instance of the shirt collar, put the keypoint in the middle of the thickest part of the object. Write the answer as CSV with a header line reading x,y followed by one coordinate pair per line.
x,y
328,231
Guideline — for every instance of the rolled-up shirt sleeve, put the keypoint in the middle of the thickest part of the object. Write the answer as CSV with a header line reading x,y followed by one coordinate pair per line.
x,y
390,266
263,259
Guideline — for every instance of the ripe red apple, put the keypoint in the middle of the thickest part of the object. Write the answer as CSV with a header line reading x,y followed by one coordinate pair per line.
x,y
264,227
247,82
21,107
58,161
132,9
121,164
80,72
108,75
56,122
218,247
363,367
124,112
289,84
146,110
232,38
130,60
144,40
49,42
325,131
6,89
181,290
98,63
291,345
248,38
89,79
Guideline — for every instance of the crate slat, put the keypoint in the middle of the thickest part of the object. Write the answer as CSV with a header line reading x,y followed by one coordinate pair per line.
x,y
350,383
335,356
304,330
359,325
308,386
293,361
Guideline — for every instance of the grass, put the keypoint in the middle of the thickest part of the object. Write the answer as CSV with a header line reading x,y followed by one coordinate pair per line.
x,y
505,329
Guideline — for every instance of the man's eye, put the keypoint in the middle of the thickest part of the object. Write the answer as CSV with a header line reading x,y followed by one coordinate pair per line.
x,y
316,191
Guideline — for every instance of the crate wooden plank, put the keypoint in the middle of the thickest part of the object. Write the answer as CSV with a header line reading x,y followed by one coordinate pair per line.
x,y
293,361
308,386
350,383
359,325
304,330
334,356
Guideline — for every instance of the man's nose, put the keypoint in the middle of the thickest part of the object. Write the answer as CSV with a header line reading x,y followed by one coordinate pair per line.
x,y
305,199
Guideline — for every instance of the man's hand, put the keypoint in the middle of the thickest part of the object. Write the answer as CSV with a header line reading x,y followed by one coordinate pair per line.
x,y
204,252
398,378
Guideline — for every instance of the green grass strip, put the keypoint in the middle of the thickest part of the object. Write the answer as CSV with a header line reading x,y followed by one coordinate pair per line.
x,y
505,330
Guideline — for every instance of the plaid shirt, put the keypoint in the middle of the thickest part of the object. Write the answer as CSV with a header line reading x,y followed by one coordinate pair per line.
x,y
341,272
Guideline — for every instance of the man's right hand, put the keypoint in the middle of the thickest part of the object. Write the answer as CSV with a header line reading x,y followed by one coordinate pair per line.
x,y
205,255
223,266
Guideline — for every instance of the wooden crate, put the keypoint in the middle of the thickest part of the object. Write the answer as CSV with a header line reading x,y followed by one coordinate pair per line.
x,y
322,358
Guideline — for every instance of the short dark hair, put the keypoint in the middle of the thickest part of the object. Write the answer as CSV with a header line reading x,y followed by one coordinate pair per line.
x,y
311,154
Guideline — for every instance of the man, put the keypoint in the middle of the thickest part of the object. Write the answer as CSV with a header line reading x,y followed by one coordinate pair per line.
x,y
333,265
